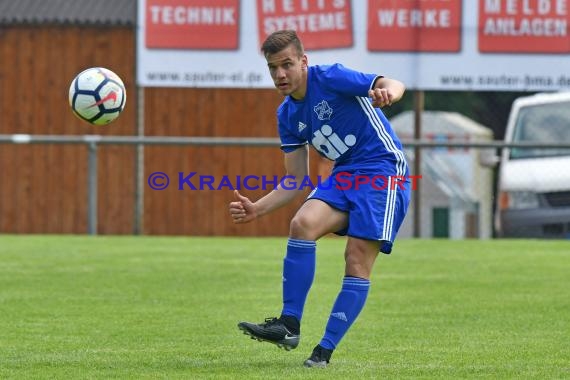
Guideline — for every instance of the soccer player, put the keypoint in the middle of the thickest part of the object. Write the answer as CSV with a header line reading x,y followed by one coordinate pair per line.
x,y
336,110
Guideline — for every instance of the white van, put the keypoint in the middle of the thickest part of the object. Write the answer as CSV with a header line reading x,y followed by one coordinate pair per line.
x,y
533,197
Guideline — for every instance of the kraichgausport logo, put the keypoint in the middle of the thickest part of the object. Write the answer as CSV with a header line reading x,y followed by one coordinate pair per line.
x,y
342,181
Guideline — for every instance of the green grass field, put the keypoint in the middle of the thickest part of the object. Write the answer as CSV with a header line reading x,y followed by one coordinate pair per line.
x,y
80,307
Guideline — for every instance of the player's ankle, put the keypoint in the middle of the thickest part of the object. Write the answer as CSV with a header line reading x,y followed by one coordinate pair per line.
x,y
292,323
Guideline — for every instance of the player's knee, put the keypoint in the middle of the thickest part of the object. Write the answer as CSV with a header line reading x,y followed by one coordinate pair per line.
x,y
301,228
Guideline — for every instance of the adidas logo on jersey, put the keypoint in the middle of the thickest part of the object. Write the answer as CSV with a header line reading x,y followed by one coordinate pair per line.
x,y
330,144
302,126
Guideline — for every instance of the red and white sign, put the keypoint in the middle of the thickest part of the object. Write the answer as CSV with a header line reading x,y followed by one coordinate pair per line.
x,y
523,26
321,24
192,24
414,26
455,45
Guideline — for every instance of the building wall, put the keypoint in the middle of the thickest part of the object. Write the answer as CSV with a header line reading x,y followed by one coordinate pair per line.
x,y
43,188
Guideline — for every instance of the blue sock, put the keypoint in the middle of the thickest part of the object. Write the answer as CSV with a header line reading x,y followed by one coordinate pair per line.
x,y
347,306
298,275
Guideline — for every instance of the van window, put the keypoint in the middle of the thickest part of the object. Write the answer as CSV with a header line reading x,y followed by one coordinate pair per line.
x,y
542,123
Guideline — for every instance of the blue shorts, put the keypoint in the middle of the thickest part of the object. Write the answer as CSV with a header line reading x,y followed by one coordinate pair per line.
x,y
376,204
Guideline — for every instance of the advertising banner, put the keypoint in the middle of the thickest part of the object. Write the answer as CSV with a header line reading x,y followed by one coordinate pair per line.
x,y
414,26
537,26
170,24
480,45
324,24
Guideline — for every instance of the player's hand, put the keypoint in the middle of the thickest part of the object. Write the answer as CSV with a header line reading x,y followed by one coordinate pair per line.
x,y
381,97
242,210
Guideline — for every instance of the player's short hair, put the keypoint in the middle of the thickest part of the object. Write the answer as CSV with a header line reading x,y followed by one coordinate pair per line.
x,y
280,40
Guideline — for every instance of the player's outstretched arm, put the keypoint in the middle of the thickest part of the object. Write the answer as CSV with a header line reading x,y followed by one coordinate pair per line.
x,y
386,92
243,210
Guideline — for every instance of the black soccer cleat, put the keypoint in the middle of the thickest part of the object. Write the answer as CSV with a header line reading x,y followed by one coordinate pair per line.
x,y
319,358
273,330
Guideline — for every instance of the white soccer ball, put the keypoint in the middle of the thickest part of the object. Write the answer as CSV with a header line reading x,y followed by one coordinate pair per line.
x,y
97,95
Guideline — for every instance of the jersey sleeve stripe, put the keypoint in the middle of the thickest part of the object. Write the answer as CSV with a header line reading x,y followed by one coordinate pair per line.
x,y
374,81
388,142
292,145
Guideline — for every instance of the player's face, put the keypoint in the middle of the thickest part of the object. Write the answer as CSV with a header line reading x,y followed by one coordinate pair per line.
x,y
289,72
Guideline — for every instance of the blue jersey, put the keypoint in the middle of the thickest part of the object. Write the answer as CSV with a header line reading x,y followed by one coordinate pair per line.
x,y
337,118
